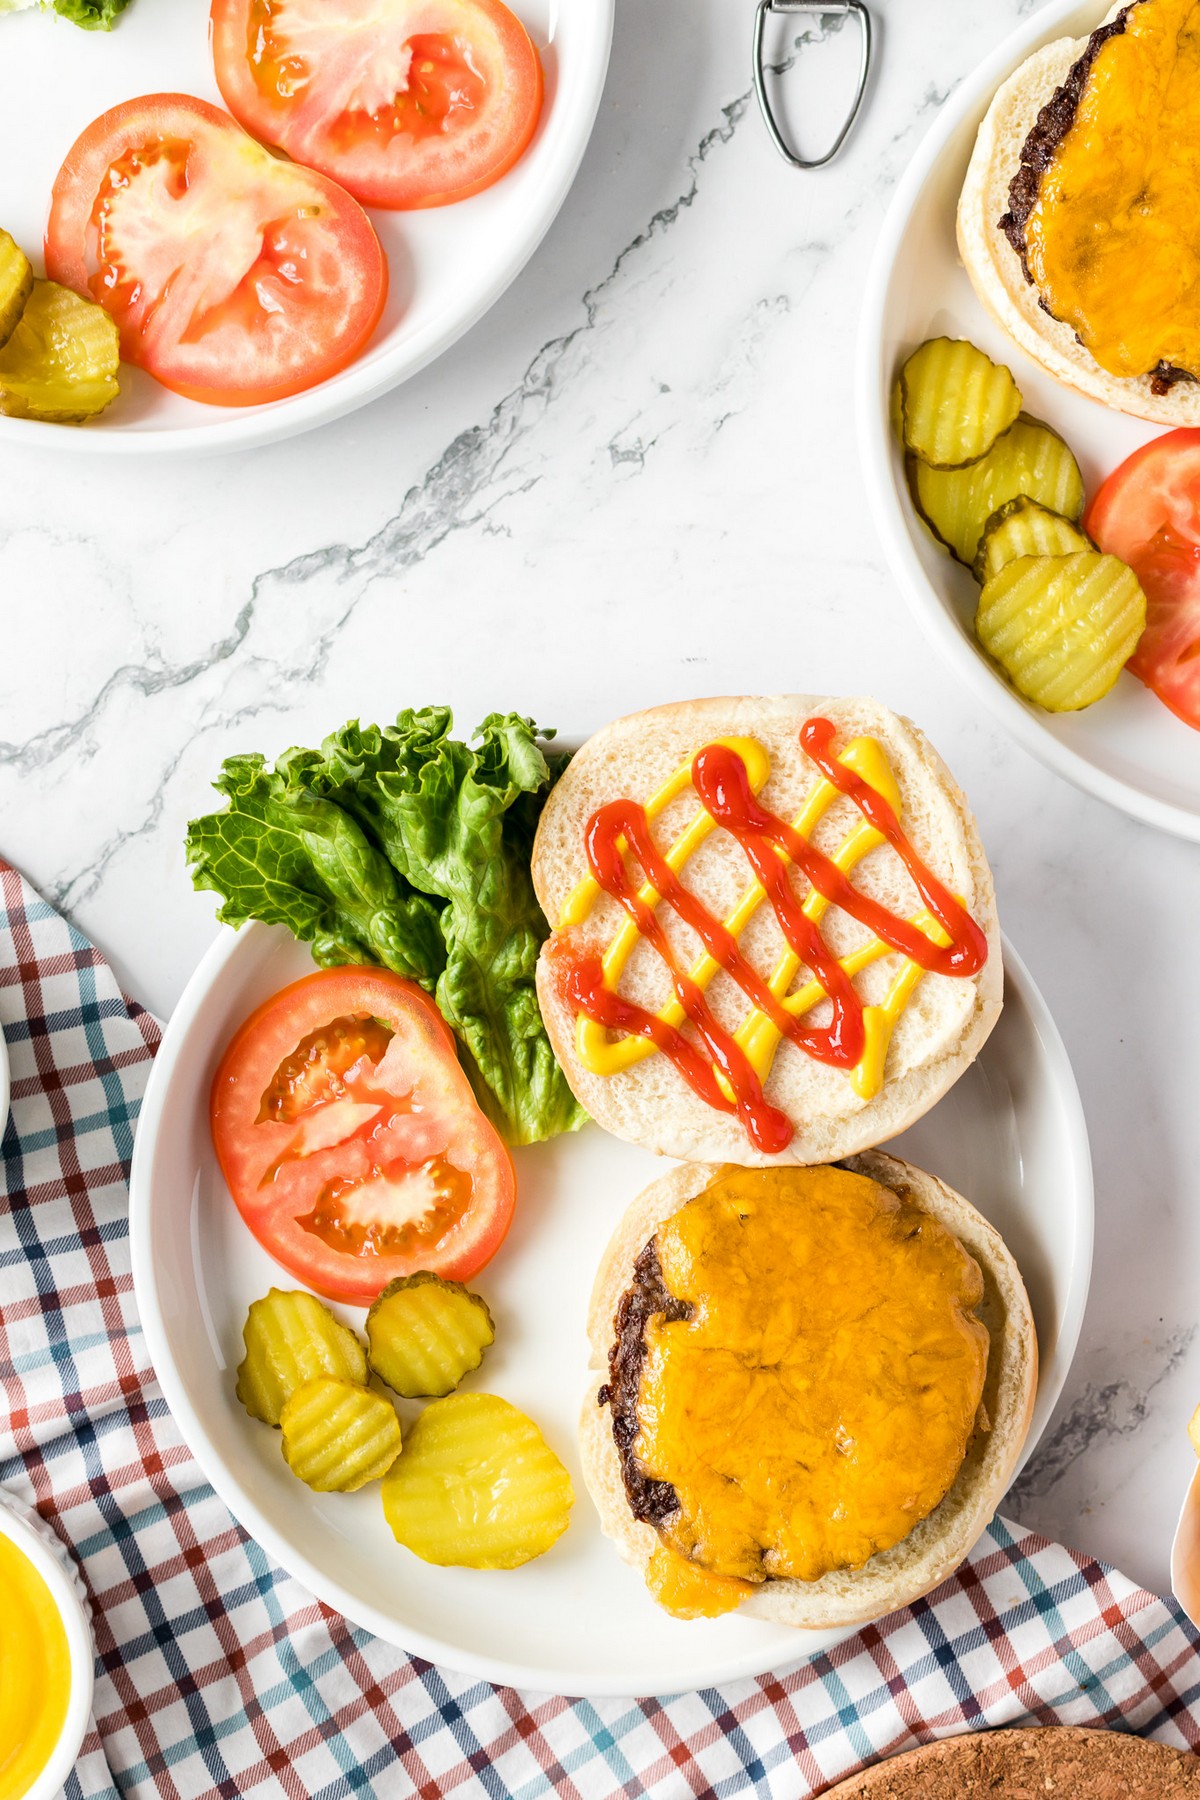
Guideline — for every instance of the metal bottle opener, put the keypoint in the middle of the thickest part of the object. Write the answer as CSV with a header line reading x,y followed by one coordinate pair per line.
x,y
830,9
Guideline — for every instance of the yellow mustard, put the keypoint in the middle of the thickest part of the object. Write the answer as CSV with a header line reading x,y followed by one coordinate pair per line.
x,y
820,1400
757,1035
1113,239
35,1673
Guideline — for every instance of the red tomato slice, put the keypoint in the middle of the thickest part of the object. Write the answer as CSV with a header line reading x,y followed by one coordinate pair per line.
x,y
233,277
351,1141
406,102
1148,514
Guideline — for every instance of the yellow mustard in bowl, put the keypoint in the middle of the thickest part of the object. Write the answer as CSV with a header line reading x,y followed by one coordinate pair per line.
x,y
35,1672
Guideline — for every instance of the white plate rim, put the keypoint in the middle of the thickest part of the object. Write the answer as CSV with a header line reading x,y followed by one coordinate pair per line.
x,y
889,507
359,384
558,1680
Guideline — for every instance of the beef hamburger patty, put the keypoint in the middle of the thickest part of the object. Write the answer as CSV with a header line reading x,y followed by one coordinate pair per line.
x,y
647,1297
1037,153
651,1499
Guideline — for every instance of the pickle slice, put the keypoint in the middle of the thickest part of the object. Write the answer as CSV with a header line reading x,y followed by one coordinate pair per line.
x,y
1030,459
956,402
478,1486
60,364
896,409
337,1436
16,284
1062,627
1024,527
291,1338
424,1334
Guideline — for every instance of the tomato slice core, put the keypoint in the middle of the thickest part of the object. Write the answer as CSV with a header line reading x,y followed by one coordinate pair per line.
x,y
398,1210
437,70
350,1138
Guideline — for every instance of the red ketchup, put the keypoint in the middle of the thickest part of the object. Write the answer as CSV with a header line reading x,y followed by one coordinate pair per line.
x,y
722,784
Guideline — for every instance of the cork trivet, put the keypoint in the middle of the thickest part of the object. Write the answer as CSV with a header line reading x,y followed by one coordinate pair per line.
x,y
1028,1765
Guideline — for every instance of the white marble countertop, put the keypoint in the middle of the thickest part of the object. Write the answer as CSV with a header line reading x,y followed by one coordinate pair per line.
x,y
650,436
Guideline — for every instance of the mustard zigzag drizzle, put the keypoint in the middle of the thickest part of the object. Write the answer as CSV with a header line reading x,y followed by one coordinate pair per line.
x,y
757,1035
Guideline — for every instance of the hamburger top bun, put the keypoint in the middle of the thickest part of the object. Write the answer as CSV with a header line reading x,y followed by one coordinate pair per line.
x,y
937,1036
1013,1765
938,1543
995,268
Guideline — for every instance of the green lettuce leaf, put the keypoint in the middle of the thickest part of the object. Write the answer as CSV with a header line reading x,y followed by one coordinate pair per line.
x,y
93,15
406,847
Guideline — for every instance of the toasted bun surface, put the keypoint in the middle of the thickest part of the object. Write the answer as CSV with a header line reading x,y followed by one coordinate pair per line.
x,y
995,268
937,1036
935,1547
1011,1765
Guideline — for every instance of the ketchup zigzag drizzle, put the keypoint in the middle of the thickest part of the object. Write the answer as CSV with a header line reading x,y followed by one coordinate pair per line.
x,y
718,1067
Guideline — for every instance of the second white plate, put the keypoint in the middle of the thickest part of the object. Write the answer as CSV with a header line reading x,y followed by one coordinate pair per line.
x,y
1127,749
447,265
1010,1135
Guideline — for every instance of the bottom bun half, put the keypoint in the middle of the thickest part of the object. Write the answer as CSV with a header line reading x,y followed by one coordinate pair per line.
x,y
938,1543
995,269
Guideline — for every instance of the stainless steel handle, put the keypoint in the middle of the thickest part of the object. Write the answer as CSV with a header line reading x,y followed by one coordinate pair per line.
x,y
830,9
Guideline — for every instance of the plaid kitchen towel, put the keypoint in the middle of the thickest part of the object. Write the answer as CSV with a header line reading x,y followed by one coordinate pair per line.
x,y
218,1675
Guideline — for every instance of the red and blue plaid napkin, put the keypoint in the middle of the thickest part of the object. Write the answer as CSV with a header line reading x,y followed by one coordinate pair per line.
x,y
218,1675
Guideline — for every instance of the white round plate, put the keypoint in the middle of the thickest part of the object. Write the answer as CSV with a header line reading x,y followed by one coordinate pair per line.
x,y
578,1621
1127,749
448,265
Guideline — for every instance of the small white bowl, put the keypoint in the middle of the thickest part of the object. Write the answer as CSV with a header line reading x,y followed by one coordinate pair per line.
x,y
53,1563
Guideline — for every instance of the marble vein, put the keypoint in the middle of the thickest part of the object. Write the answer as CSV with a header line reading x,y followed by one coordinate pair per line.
x,y
1114,1409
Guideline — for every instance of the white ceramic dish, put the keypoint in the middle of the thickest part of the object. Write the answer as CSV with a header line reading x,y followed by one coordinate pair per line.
x,y
448,265
51,1560
1128,749
1011,1135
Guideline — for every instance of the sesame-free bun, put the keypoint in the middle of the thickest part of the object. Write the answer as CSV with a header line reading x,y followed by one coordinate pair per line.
x,y
937,1036
995,268
936,1545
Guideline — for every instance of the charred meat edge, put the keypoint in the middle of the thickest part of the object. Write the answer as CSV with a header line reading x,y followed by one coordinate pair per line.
x,y
646,1298
1053,123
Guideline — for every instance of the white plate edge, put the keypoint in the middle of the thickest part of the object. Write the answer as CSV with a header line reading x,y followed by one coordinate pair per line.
x,y
1084,1204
